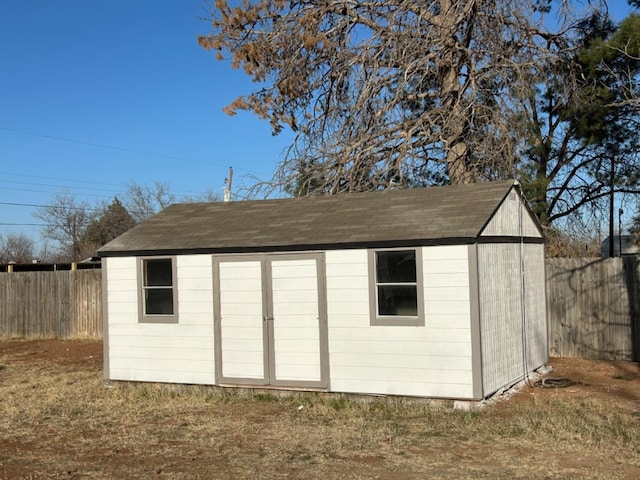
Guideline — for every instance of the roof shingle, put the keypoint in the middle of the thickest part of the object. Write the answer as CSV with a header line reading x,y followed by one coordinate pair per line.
x,y
453,213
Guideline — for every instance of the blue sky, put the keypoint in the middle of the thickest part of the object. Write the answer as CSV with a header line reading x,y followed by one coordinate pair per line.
x,y
126,74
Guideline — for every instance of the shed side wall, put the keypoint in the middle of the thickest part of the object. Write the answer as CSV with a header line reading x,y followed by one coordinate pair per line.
x,y
433,360
512,312
500,314
535,306
180,353
506,221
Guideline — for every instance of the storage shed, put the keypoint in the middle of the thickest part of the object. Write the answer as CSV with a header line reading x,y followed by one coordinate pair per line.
x,y
436,292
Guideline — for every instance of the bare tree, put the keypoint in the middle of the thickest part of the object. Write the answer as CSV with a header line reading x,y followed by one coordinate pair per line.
x,y
143,201
390,94
208,196
16,247
66,220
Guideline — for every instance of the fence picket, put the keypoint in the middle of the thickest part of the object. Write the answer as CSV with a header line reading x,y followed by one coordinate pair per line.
x,y
592,308
50,304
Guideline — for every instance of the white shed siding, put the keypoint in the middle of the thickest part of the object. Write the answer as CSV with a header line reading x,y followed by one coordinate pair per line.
x,y
181,353
506,221
500,314
535,306
434,360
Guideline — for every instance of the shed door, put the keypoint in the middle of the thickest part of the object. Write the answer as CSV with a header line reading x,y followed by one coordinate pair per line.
x,y
271,320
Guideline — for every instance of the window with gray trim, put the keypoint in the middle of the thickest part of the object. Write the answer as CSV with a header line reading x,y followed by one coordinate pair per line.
x,y
396,287
158,290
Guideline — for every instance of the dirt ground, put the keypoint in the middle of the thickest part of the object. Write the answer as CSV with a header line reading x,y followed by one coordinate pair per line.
x,y
382,445
614,381
76,354
611,381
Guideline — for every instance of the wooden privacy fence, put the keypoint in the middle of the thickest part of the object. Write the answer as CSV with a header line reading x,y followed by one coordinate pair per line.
x,y
593,308
63,304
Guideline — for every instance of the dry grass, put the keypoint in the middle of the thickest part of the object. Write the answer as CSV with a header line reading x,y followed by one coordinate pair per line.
x,y
59,421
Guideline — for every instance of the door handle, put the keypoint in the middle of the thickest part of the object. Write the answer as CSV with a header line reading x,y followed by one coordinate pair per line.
x,y
266,318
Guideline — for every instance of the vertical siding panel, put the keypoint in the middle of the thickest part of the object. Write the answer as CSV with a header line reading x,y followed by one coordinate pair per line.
x,y
535,306
507,219
500,314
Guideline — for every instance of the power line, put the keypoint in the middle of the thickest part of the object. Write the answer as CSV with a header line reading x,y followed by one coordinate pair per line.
x,y
14,204
121,149
25,225
15,182
59,207
99,145
120,186
46,177
42,191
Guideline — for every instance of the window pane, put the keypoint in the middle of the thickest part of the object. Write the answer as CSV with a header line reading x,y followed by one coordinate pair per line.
x,y
398,300
396,266
158,301
158,272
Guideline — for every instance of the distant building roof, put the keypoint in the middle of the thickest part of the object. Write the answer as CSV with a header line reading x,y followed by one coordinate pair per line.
x,y
628,246
455,213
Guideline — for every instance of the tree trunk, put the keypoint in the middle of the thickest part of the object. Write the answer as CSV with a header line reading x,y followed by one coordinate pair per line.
x,y
452,64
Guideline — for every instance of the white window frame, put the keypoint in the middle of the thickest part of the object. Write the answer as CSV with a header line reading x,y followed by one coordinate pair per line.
x,y
395,320
143,316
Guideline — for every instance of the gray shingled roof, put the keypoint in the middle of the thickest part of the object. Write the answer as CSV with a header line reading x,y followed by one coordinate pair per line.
x,y
452,214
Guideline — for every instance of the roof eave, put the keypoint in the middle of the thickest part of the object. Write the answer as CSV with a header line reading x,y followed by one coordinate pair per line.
x,y
289,248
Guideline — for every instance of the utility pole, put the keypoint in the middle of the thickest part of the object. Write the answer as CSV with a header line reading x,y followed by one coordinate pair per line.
x,y
227,191
612,179
620,213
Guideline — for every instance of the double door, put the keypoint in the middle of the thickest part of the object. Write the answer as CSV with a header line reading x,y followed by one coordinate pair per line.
x,y
270,320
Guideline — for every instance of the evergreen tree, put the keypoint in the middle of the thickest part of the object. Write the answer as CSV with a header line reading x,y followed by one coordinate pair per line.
x,y
113,222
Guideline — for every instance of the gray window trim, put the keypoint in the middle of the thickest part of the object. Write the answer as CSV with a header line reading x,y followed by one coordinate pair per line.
x,y
392,320
142,316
